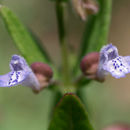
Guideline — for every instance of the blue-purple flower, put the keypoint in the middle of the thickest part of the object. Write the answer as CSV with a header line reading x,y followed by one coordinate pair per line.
x,y
20,74
111,62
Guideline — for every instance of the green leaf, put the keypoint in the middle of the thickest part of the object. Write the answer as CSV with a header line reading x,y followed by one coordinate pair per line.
x,y
70,115
87,35
100,30
24,41
99,26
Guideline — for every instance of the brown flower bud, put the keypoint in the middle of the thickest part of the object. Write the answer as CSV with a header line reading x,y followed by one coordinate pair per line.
x,y
85,7
118,127
89,65
43,73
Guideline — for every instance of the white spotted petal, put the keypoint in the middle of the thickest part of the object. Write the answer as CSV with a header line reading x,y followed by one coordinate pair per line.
x,y
20,73
118,67
111,62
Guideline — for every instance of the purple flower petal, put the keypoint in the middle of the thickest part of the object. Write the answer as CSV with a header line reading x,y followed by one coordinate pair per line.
x,y
111,62
20,73
118,67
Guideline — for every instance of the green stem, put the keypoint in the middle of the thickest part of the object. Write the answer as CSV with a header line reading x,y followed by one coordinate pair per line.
x,y
81,81
62,39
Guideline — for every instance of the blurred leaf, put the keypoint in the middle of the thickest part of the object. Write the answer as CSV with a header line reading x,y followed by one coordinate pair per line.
x,y
96,30
87,35
70,115
24,41
59,0
100,30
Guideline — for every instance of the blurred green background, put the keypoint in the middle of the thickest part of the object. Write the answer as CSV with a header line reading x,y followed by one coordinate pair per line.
x,y
107,103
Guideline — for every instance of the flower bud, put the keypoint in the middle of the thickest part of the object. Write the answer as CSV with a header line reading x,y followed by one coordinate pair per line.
x,y
118,127
43,73
85,7
89,65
